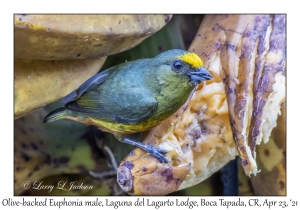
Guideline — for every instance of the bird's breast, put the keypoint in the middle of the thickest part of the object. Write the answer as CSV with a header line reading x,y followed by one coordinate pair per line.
x,y
123,128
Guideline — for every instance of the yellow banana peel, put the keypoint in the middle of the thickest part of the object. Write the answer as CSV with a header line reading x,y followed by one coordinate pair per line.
x,y
60,37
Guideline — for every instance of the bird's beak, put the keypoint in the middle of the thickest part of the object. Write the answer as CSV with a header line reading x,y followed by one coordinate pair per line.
x,y
198,76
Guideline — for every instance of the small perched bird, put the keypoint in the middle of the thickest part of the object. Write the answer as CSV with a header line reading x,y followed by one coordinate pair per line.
x,y
135,96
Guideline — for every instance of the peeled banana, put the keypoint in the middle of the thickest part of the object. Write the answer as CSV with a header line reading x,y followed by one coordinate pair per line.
x,y
213,127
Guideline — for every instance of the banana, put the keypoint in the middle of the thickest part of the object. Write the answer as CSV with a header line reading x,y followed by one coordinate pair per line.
x,y
60,37
40,82
271,158
213,126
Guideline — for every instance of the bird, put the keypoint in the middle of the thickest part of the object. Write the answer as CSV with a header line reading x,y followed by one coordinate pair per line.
x,y
135,96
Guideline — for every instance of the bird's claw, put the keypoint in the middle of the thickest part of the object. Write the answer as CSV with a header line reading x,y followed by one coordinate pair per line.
x,y
157,153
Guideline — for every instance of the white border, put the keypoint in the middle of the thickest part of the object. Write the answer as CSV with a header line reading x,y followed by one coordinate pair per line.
x,y
153,6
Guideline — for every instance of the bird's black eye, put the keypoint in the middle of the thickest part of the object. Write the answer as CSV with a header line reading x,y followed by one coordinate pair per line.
x,y
177,65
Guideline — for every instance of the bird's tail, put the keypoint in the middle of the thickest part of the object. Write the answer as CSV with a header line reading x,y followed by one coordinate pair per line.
x,y
57,114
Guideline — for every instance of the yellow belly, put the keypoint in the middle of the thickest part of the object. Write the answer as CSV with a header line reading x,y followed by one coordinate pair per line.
x,y
122,128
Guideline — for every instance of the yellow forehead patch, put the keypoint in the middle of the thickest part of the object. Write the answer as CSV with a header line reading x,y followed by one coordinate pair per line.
x,y
192,59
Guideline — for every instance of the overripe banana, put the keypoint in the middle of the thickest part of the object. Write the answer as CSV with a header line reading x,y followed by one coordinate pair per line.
x,y
245,55
60,37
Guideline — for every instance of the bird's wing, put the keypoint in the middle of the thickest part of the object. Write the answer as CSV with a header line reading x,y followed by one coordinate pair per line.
x,y
86,86
129,106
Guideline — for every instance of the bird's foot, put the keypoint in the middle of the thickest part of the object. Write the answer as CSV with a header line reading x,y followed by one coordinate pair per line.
x,y
155,152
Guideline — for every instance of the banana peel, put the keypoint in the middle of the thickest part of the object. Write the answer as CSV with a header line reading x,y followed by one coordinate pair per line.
x,y
213,126
42,150
245,187
253,59
60,37
154,177
271,158
40,82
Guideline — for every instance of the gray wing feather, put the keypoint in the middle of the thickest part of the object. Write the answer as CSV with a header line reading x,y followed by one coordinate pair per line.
x,y
86,86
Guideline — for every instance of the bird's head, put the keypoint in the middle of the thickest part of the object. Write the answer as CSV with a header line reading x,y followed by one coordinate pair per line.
x,y
184,63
